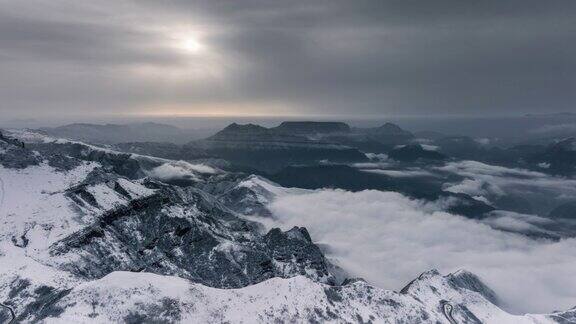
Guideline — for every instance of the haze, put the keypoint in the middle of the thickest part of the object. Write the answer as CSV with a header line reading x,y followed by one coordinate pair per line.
x,y
77,60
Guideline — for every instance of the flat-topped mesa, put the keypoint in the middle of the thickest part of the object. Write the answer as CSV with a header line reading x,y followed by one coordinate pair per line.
x,y
270,150
253,133
312,127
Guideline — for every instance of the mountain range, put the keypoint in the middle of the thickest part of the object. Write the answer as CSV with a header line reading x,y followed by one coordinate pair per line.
x,y
91,234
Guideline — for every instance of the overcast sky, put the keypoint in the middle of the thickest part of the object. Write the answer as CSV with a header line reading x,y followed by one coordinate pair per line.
x,y
264,57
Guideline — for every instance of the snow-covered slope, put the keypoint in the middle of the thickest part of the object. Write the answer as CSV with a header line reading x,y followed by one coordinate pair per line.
x,y
432,298
251,195
75,213
88,236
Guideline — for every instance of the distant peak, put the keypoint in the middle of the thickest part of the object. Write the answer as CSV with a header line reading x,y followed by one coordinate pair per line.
x,y
464,279
243,127
236,131
390,129
390,124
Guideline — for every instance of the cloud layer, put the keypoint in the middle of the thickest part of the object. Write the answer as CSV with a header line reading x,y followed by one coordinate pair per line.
x,y
291,57
389,239
180,170
538,192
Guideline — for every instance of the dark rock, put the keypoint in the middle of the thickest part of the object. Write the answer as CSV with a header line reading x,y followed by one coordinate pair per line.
x,y
211,245
467,280
564,211
312,128
15,155
415,152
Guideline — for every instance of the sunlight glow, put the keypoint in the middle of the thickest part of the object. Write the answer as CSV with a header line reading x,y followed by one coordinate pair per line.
x,y
222,109
192,45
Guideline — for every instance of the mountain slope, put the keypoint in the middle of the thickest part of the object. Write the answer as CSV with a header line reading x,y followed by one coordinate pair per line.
x,y
113,133
270,150
94,235
431,298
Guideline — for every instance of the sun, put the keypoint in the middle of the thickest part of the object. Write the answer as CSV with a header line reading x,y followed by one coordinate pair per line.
x,y
192,45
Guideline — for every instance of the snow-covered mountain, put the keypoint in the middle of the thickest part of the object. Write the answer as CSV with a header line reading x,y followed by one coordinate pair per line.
x,y
114,133
94,235
139,297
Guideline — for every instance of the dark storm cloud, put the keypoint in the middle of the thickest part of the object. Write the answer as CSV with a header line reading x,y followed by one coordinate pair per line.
x,y
318,57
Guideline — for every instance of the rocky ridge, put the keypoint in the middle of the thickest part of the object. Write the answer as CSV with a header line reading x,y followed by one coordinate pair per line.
x,y
106,240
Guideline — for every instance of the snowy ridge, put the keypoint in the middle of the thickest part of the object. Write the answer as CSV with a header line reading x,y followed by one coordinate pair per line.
x,y
62,204
155,167
88,237
265,190
250,196
125,296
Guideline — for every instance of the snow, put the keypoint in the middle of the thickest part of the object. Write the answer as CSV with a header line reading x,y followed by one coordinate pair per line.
x,y
544,165
168,170
15,263
120,295
376,156
34,200
107,198
35,212
136,190
428,147
267,187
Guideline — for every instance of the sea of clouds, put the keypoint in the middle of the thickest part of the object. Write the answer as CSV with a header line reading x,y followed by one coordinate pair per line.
x,y
488,182
389,239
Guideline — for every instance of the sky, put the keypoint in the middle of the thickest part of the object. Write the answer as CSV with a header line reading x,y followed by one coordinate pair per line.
x,y
286,58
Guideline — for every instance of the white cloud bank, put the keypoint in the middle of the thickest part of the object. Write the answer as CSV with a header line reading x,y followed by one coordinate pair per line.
x,y
180,170
542,192
389,239
401,173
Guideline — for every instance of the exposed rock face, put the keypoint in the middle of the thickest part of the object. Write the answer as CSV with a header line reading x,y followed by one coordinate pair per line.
x,y
87,237
108,220
187,233
168,230
467,280
269,150
13,154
